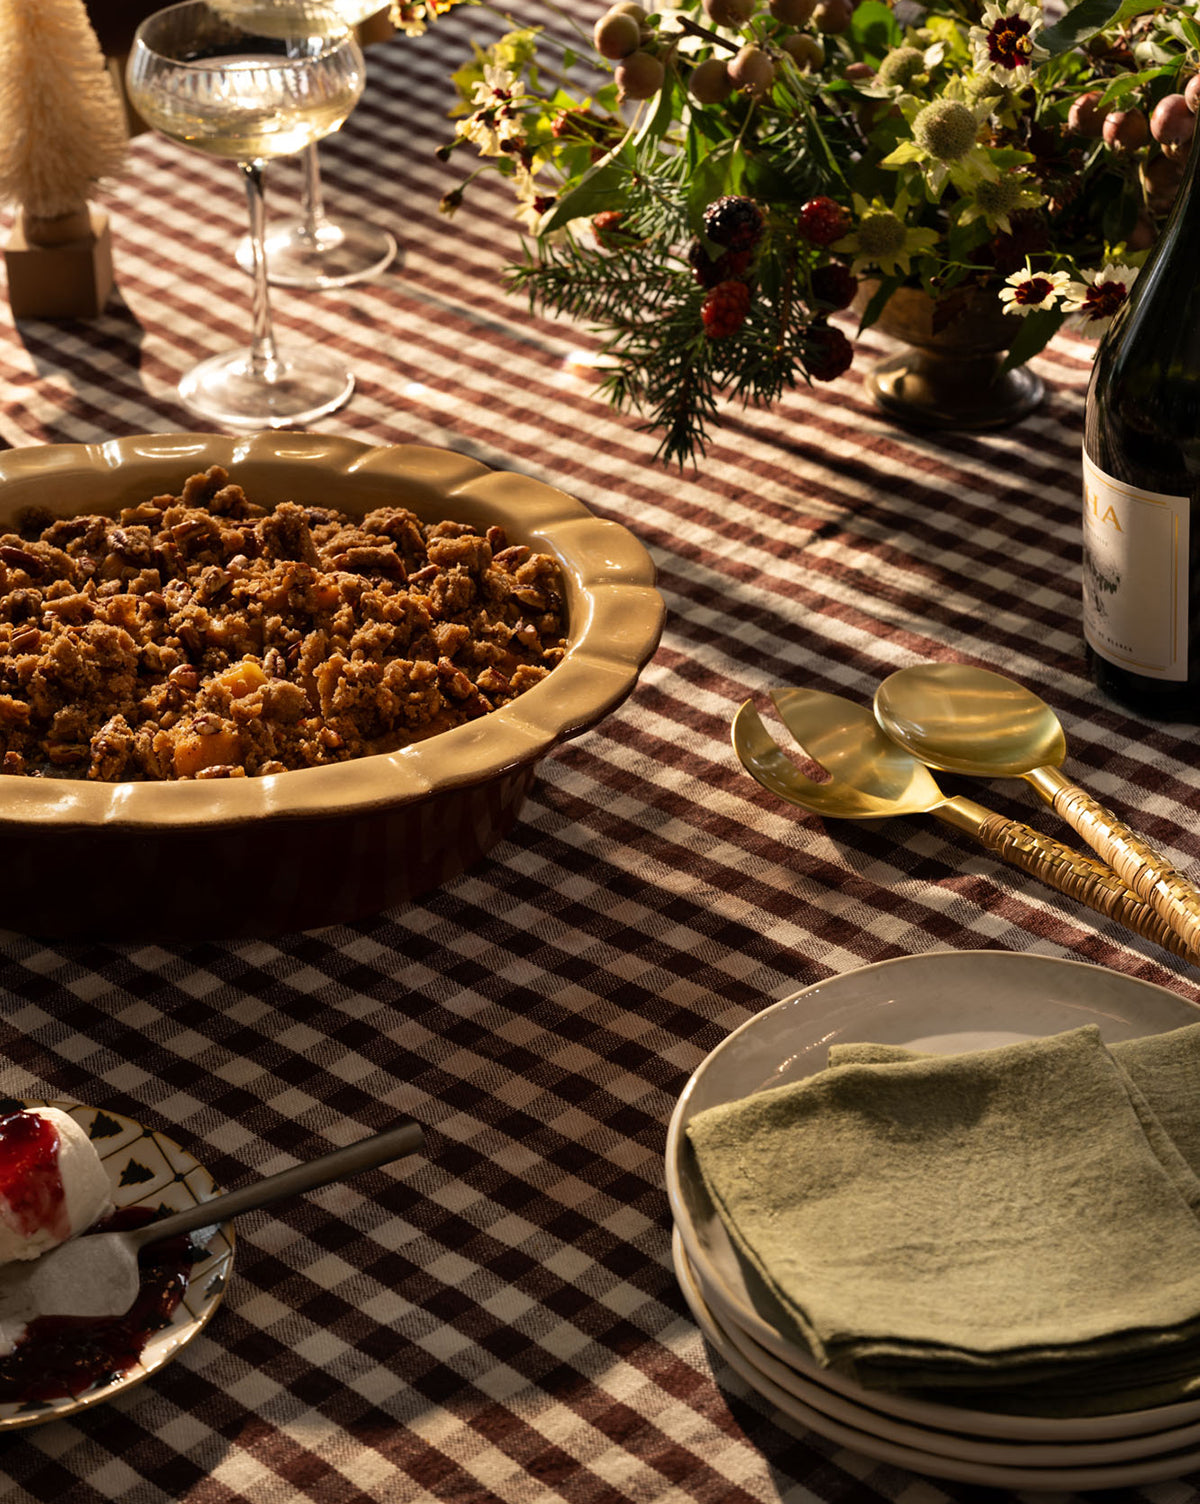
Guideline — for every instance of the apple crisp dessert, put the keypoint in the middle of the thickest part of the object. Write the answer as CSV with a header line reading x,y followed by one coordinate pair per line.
x,y
203,636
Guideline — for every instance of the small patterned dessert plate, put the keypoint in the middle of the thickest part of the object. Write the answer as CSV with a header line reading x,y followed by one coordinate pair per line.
x,y
146,1169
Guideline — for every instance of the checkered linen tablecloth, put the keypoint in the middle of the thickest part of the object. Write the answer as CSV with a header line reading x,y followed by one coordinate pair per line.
x,y
497,1318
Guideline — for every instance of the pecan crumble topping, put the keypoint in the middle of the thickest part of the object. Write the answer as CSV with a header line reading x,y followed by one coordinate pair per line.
x,y
202,636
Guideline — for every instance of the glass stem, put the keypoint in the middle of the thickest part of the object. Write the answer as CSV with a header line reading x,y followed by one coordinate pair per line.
x,y
311,200
262,342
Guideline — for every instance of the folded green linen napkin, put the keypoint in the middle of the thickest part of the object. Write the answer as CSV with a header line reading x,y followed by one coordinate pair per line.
x,y
1165,1067
1002,1218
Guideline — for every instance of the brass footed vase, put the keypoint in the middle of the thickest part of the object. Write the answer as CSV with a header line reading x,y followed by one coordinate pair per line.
x,y
952,374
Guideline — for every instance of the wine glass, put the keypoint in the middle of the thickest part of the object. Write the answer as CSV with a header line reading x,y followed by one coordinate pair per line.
x,y
251,81
316,250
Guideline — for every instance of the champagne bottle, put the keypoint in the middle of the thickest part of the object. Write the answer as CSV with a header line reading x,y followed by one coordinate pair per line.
x,y
1141,480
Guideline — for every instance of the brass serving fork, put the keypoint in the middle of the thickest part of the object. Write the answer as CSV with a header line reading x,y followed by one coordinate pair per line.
x,y
871,777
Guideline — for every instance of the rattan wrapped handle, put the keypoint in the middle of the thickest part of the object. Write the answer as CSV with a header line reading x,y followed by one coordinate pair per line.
x,y
1074,873
1153,879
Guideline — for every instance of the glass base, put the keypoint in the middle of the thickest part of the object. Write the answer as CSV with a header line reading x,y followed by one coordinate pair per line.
x,y
925,389
337,253
299,385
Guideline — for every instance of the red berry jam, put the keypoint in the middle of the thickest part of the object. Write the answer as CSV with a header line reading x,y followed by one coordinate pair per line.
x,y
61,1356
30,1180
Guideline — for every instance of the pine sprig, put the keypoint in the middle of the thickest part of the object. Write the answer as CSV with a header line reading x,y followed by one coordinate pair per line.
x,y
660,360
582,283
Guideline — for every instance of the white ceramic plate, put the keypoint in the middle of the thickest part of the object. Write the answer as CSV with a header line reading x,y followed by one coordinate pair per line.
x,y
146,1169
1007,1452
1170,1463
945,1001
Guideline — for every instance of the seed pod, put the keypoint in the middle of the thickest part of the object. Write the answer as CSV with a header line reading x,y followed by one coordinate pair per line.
x,y
639,14
1172,122
805,50
1160,180
833,16
616,34
1126,130
732,13
639,76
1086,117
792,12
752,72
1143,235
710,82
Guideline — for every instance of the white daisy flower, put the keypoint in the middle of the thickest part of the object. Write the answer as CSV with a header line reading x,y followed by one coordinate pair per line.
x,y
1005,45
496,119
1098,297
1033,292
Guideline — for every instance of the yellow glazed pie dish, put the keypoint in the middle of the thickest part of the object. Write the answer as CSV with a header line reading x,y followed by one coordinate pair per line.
x,y
313,846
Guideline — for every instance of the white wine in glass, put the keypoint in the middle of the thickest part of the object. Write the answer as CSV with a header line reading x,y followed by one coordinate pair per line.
x,y
317,249
251,81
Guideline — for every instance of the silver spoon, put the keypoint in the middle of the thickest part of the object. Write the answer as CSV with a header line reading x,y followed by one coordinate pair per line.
x,y
963,719
97,1274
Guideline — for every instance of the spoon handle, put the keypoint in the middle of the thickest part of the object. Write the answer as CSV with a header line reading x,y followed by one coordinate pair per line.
x,y
366,1154
1077,874
1137,864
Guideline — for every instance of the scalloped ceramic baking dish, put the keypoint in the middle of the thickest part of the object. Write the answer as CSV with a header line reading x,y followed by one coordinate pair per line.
x,y
210,859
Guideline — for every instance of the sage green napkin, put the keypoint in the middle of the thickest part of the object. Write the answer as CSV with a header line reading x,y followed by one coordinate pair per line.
x,y
1003,1218
1165,1067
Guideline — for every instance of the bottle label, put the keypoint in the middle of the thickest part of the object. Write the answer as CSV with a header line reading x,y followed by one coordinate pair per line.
x,y
1135,575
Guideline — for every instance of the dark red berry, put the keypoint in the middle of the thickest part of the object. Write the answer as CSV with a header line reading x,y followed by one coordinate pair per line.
x,y
735,223
822,221
607,219
827,353
610,229
725,309
834,286
709,272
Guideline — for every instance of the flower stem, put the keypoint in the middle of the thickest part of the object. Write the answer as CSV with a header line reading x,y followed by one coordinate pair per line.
x,y
709,36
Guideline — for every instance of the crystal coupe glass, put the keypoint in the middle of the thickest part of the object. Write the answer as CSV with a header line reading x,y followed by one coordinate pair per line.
x,y
317,249
251,81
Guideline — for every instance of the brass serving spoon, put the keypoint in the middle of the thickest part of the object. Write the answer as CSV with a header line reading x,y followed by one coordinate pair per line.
x,y
871,777
969,720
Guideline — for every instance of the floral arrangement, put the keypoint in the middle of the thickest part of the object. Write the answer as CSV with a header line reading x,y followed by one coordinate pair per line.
x,y
706,185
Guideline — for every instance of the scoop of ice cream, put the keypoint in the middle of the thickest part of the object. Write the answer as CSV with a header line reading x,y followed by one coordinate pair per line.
x,y
52,1182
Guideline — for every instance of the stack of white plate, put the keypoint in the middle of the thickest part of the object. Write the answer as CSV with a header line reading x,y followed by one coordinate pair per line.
x,y
947,1002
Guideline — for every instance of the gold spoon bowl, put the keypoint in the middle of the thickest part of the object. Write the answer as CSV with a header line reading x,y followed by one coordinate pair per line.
x,y
961,719
870,777
969,720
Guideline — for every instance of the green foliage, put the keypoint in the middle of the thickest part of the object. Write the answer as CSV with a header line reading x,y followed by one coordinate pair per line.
x,y
613,193
874,31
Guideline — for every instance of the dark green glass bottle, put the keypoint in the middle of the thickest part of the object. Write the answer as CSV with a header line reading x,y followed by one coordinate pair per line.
x,y
1141,480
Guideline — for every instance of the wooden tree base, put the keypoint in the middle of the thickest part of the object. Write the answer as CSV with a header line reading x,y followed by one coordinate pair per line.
x,y
376,28
71,279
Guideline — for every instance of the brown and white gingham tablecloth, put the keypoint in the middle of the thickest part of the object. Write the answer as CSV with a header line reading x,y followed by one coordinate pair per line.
x,y
497,1319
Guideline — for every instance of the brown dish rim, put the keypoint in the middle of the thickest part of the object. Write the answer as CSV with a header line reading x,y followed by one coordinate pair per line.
x,y
615,614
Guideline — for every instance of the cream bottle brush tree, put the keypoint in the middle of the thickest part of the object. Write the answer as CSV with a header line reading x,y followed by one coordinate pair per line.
x,y
63,128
